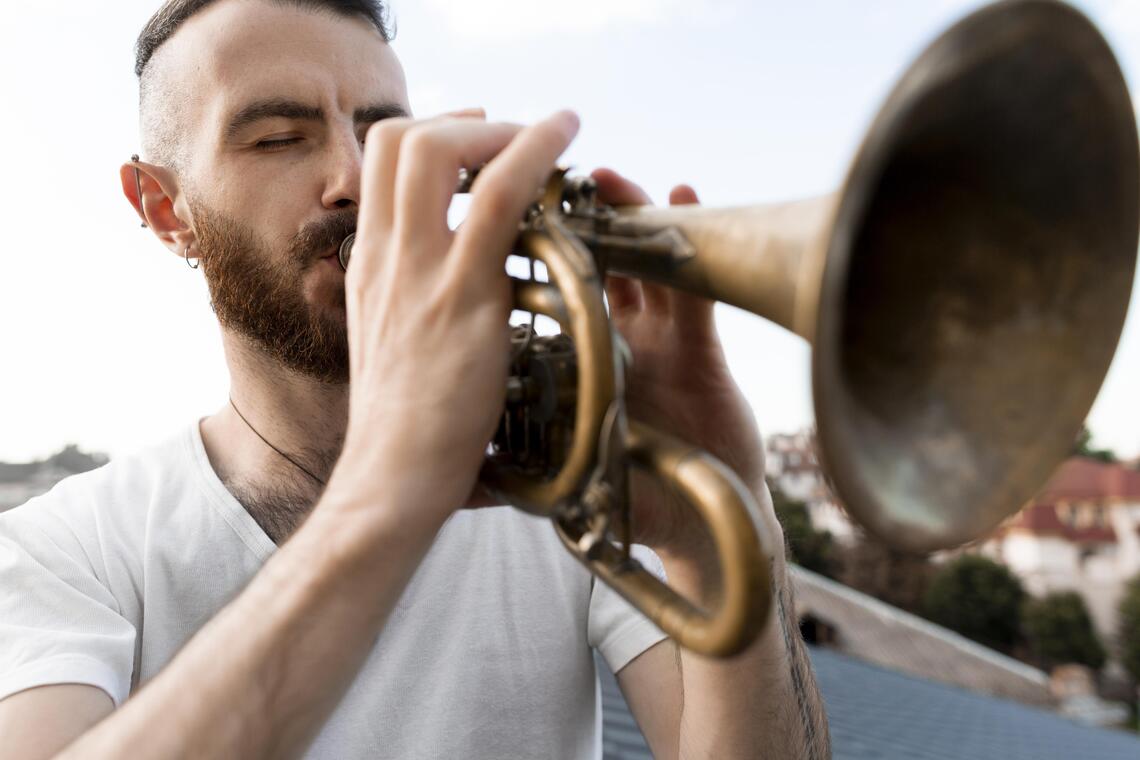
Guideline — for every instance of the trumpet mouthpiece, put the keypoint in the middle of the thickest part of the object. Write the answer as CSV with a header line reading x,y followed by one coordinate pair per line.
x,y
346,251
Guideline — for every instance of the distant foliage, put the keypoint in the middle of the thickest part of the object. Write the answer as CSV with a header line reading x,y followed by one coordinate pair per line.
x,y
979,599
73,460
896,577
1128,628
810,548
1059,631
1083,447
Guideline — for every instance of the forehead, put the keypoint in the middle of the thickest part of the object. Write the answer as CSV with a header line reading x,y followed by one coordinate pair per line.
x,y
238,51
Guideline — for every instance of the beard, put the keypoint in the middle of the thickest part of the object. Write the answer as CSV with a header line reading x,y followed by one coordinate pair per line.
x,y
258,294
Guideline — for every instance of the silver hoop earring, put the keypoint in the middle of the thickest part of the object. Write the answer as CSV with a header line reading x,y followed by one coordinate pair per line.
x,y
196,262
138,189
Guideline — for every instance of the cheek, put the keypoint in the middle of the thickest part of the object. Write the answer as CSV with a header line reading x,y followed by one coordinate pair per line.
x,y
266,215
276,203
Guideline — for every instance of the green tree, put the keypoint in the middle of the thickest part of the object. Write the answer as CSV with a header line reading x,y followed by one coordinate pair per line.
x,y
896,577
1083,447
71,459
979,599
1128,628
1059,630
808,547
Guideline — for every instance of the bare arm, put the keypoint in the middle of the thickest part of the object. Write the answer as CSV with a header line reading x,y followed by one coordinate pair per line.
x,y
38,723
651,685
763,703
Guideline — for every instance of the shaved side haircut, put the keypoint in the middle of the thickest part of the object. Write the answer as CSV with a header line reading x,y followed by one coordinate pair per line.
x,y
159,104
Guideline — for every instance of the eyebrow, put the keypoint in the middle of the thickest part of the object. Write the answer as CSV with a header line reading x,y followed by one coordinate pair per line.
x,y
282,108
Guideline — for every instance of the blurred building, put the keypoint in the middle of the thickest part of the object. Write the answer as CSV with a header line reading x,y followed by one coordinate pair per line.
x,y
792,465
20,482
1081,533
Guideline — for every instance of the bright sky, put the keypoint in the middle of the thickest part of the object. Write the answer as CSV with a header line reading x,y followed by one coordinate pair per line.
x,y
109,340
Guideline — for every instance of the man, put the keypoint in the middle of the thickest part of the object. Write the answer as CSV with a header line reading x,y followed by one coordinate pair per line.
x,y
295,573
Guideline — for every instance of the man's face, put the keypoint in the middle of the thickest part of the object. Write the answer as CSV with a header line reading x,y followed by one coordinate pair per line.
x,y
277,103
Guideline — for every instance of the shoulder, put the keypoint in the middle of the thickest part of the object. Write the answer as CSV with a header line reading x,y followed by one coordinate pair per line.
x,y
82,512
72,574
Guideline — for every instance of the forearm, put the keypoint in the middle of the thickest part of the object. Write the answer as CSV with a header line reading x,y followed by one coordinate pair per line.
x,y
262,677
762,703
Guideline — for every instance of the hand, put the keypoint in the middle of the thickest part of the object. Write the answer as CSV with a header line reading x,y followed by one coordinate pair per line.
x,y
428,307
679,383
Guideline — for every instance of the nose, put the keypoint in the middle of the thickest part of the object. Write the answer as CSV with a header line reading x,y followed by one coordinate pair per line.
x,y
342,183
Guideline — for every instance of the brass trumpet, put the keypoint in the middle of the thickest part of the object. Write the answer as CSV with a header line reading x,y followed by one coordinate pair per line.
x,y
963,295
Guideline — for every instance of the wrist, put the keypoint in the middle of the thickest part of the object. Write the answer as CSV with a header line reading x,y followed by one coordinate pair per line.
x,y
365,506
395,472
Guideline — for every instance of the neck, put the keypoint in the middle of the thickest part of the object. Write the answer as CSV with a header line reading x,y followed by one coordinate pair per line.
x,y
302,417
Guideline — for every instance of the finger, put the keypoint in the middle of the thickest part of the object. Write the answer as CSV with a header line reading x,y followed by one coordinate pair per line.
x,y
658,298
616,190
690,310
381,150
381,157
630,295
431,155
475,112
504,189
687,310
683,195
624,295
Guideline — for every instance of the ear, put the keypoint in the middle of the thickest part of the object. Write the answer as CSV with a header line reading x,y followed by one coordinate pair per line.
x,y
155,194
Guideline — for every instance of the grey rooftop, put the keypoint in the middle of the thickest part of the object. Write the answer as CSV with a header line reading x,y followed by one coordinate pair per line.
x,y
877,713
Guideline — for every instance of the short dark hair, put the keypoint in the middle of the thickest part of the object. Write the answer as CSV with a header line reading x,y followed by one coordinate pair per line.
x,y
166,20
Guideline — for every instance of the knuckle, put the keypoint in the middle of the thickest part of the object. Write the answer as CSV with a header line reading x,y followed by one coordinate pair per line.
x,y
423,142
383,135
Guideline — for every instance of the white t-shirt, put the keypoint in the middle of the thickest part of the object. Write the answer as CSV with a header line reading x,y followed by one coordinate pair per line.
x,y
486,655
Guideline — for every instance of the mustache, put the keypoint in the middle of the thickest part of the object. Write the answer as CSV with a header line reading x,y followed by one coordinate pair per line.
x,y
317,237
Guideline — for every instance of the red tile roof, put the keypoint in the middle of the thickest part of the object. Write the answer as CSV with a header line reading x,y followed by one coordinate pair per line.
x,y
1079,482
1082,479
1043,520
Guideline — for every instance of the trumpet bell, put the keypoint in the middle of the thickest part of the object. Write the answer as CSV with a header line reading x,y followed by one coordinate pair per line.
x,y
965,291
978,274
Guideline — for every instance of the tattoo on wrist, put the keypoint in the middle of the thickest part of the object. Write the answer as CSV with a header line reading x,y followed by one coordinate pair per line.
x,y
809,708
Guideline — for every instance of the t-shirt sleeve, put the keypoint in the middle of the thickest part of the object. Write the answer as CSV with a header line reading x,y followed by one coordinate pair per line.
x,y
58,623
617,630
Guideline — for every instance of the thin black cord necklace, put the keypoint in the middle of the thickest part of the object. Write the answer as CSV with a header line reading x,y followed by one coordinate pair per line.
x,y
288,458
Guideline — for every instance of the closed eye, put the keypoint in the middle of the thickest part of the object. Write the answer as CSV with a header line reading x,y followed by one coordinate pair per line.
x,y
269,146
